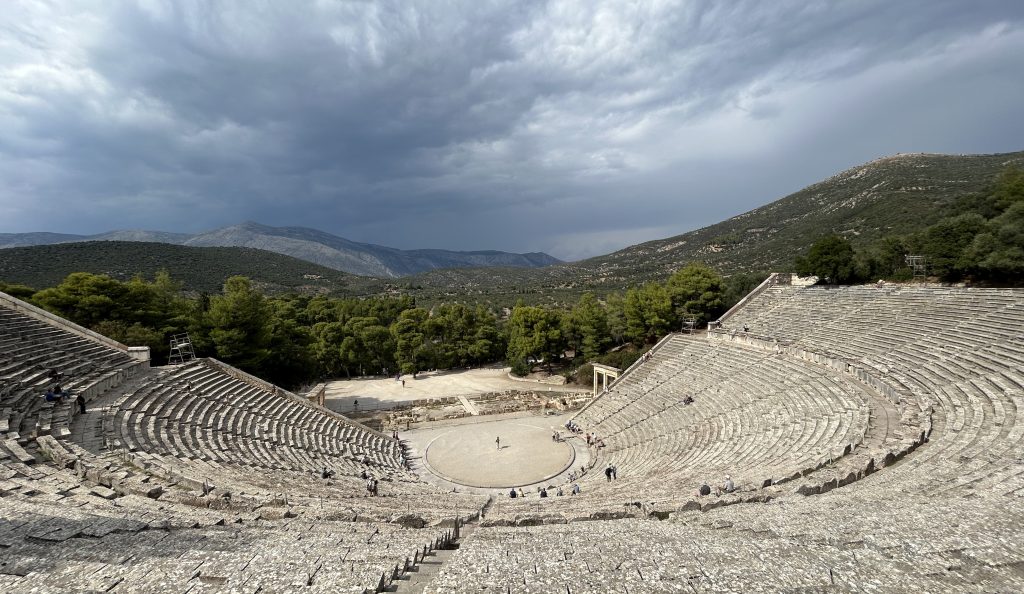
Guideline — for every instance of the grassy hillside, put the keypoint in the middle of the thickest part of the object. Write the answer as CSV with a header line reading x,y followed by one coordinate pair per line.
x,y
200,269
900,194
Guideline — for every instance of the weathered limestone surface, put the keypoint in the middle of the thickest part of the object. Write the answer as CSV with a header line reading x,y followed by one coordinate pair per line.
x,y
873,434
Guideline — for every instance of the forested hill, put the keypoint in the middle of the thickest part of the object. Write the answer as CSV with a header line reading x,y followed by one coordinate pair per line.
x,y
307,244
890,196
198,269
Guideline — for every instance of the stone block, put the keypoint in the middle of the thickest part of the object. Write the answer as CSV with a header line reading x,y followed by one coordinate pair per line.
x,y
409,520
496,522
848,479
104,492
828,485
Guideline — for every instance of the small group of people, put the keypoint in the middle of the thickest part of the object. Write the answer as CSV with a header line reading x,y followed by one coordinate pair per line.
x,y
647,356
543,492
371,486
688,399
573,475
611,472
327,473
726,487
56,393
594,440
573,427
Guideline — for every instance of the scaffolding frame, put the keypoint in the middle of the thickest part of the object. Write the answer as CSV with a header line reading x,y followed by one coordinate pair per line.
x,y
181,350
918,265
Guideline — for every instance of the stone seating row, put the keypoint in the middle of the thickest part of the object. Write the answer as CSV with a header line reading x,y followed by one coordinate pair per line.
x,y
733,389
956,350
195,425
30,350
74,523
826,543
57,547
224,419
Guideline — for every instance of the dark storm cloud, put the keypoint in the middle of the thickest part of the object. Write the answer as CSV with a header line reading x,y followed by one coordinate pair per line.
x,y
570,127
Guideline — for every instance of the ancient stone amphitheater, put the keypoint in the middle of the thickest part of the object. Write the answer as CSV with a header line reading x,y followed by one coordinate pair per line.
x,y
872,433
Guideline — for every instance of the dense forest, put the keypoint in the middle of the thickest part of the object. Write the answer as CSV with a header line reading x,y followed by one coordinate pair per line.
x,y
296,339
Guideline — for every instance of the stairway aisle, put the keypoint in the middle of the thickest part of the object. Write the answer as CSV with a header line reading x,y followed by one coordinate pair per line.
x,y
421,576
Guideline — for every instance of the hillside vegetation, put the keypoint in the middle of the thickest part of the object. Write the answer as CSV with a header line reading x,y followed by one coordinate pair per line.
x,y
200,270
897,195
294,339
976,236
979,239
891,197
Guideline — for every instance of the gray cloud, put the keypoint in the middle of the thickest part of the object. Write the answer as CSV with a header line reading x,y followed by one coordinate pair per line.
x,y
562,126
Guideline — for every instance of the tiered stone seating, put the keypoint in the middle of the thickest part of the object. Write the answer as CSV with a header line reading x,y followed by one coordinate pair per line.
x,y
832,542
59,535
945,516
763,418
226,420
196,424
193,478
958,352
873,432
30,349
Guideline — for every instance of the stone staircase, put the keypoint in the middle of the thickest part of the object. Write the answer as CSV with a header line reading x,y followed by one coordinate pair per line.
x,y
419,579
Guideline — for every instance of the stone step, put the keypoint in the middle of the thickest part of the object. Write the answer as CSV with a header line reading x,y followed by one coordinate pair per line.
x,y
420,577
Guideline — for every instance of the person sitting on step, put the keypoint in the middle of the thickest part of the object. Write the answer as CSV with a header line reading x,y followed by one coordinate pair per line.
x,y
727,486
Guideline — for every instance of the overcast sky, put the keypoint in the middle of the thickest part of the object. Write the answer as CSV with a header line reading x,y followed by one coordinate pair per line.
x,y
574,127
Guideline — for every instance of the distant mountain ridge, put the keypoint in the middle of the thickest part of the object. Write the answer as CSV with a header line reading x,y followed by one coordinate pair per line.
x,y
312,245
899,194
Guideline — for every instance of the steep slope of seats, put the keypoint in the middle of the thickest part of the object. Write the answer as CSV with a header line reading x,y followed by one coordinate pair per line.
x,y
74,520
60,533
958,351
946,517
764,418
30,349
197,425
214,484
827,543
197,411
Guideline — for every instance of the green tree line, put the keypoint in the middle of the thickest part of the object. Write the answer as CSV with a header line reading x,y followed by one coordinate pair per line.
x,y
980,238
296,339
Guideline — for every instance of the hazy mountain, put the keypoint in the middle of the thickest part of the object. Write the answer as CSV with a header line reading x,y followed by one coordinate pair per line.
x,y
138,235
899,194
307,244
8,240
